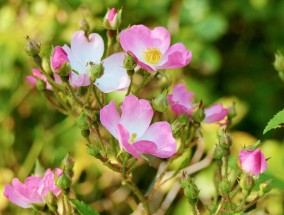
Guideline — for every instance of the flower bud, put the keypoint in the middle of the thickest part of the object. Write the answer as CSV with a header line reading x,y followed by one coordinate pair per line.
x,y
95,71
40,84
68,163
112,19
84,25
265,187
64,181
32,48
190,189
46,65
180,122
219,152
161,103
64,70
225,186
129,63
225,139
198,115
83,121
60,61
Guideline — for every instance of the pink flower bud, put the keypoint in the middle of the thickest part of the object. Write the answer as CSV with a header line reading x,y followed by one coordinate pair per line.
x,y
253,162
33,191
112,19
58,58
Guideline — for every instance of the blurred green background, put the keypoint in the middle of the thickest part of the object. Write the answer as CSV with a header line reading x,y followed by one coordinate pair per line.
x,y
233,45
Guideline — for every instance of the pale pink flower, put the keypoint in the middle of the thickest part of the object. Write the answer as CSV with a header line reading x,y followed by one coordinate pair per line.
x,y
33,191
253,162
38,75
151,48
59,56
181,102
133,129
84,51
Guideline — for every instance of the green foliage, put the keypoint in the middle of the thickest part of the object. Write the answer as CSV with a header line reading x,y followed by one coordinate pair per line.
x,y
83,208
275,122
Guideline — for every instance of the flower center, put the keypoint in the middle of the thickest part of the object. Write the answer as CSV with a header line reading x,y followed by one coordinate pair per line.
x,y
152,55
132,138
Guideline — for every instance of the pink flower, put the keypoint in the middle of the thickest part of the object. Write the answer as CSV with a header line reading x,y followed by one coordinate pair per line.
x,y
133,129
38,75
151,48
253,162
33,191
84,51
181,102
59,56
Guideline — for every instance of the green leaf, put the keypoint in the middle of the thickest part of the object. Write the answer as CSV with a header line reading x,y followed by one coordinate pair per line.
x,y
83,208
275,121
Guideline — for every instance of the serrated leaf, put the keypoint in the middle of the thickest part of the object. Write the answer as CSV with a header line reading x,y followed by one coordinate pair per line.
x,y
83,208
277,120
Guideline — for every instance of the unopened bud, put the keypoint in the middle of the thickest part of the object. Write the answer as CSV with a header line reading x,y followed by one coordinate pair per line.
x,y
83,121
219,152
225,186
68,163
161,103
64,70
198,115
32,48
129,63
279,64
64,181
84,25
40,84
265,187
180,122
225,139
190,189
112,19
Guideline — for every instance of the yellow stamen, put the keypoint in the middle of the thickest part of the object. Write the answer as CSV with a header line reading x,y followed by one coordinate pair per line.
x,y
152,55
132,138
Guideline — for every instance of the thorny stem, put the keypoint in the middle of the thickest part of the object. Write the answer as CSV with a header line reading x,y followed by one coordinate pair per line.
x,y
219,207
146,79
131,74
75,99
97,97
67,210
243,208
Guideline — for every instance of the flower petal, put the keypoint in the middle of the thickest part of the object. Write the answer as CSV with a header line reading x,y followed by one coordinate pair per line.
x,y
176,56
145,147
79,80
181,100
15,197
215,113
123,138
109,118
75,63
87,49
136,115
115,76
161,134
48,184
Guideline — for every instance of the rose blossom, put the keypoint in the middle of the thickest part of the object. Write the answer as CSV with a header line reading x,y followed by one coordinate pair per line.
x,y
33,190
59,56
252,162
86,51
151,48
133,130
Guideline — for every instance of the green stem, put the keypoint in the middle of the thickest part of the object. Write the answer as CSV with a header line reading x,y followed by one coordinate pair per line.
x,y
139,195
243,208
66,205
195,210
131,74
97,97
219,207
71,91
147,78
